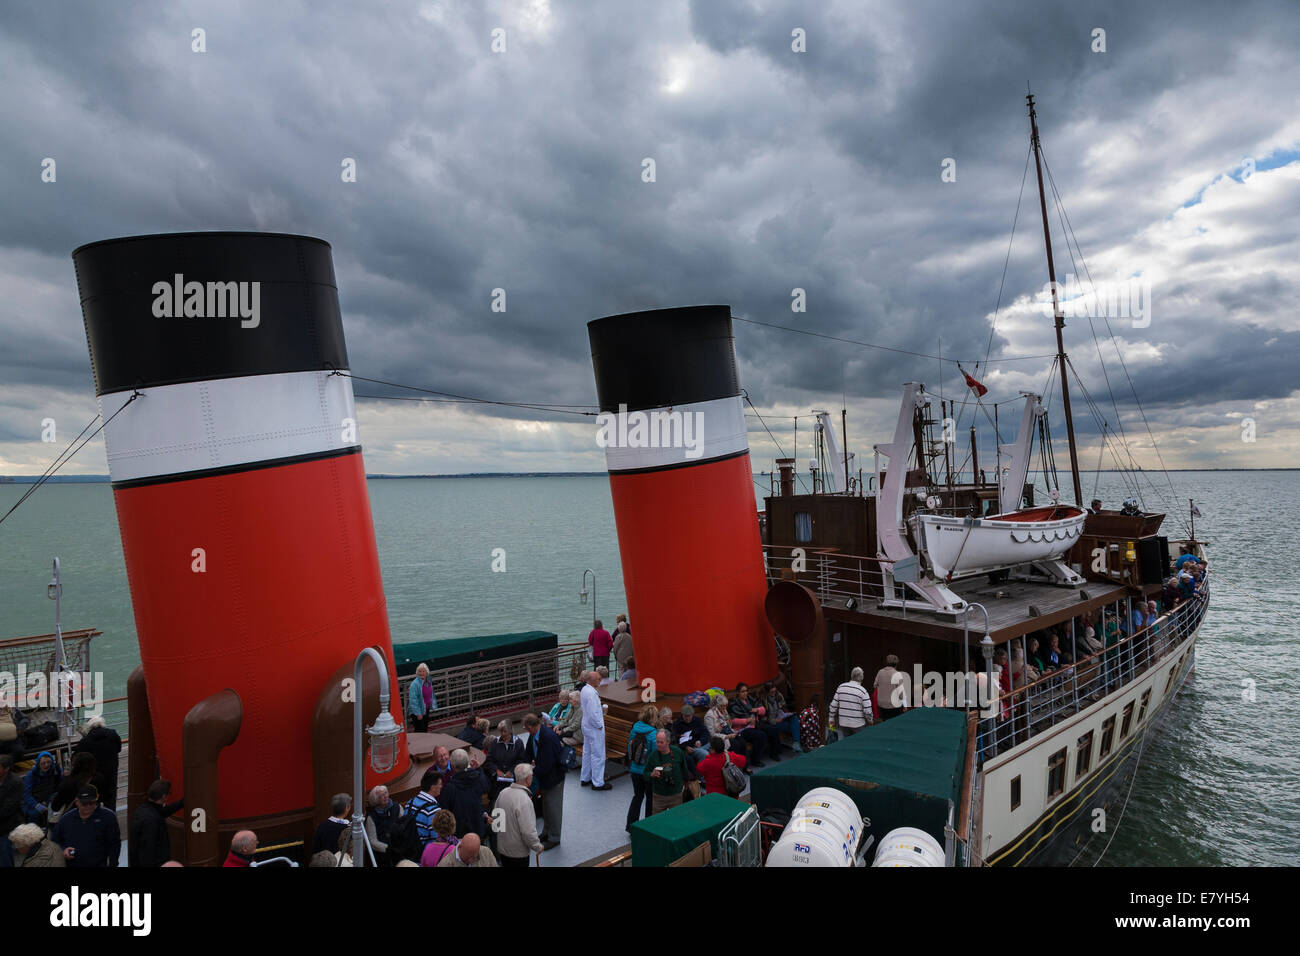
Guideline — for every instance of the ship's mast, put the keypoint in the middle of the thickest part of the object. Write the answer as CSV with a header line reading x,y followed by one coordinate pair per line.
x,y
1056,307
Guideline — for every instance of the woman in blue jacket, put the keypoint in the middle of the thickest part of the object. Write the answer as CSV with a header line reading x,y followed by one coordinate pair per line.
x,y
39,786
420,702
641,742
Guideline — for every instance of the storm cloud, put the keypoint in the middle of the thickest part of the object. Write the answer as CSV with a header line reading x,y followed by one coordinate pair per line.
x,y
1176,153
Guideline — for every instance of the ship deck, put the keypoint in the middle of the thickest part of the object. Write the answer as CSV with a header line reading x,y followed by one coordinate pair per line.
x,y
1015,608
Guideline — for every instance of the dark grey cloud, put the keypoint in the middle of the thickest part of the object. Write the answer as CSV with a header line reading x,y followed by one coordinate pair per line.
x,y
775,170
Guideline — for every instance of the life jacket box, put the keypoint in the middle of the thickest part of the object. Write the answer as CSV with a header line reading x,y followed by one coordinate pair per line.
x,y
661,838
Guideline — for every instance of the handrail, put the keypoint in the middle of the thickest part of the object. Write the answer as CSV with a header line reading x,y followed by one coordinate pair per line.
x,y
68,635
1119,667
1146,631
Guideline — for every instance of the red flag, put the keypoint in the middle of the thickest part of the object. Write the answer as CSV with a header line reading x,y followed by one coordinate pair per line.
x,y
979,388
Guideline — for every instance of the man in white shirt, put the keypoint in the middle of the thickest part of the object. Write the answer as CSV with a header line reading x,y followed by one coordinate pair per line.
x,y
593,735
891,689
850,709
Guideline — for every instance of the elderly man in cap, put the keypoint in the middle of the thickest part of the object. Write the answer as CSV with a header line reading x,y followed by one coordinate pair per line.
x,y
90,837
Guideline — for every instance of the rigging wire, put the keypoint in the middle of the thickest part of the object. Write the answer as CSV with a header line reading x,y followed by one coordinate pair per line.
x,y
69,453
1118,353
744,393
1133,474
536,406
1066,234
993,327
460,401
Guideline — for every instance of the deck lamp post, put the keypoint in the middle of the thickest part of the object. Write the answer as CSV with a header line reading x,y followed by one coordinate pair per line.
x,y
986,648
383,735
54,590
582,595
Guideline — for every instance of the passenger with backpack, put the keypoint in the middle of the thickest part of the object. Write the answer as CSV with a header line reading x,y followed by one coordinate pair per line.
x,y
416,828
640,742
723,772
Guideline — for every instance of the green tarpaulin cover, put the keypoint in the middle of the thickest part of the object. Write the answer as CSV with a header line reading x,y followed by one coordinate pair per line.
x,y
455,651
664,837
900,773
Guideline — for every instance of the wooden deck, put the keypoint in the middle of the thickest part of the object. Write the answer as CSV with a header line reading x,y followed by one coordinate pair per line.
x,y
1015,608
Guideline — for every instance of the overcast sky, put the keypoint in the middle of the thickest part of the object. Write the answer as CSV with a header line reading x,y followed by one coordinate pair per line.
x,y
1176,153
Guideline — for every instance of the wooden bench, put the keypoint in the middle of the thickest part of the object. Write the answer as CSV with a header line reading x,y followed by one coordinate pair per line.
x,y
617,732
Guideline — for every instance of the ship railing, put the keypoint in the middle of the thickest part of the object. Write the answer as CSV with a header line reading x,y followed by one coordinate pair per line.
x,y
962,846
1033,708
504,688
31,666
835,577
39,653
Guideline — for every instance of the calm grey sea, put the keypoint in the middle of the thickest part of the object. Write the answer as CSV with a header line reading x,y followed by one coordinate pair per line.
x,y
1217,785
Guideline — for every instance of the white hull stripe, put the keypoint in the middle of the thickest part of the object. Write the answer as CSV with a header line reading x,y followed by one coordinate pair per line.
x,y
226,423
671,437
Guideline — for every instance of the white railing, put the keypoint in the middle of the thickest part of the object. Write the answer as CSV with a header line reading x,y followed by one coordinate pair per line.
x,y
1033,708
834,577
506,687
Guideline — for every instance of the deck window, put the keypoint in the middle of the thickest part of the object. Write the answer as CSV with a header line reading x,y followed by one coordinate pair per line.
x,y
1107,736
1170,682
1128,720
1142,711
1056,774
1083,756
803,526
1015,792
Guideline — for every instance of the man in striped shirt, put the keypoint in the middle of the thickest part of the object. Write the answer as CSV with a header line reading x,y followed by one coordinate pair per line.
x,y
851,705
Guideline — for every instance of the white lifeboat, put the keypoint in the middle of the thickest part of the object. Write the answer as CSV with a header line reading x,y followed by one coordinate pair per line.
x,y
959,547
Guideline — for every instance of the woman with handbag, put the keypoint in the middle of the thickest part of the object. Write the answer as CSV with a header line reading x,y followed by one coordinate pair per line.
x,y
444,825
718,722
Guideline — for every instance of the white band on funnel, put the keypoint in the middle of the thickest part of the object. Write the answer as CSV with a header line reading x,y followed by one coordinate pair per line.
x,y
228,422
690,434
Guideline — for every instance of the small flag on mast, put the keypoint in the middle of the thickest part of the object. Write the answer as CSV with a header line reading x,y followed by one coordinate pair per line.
x,y
978,387
1196,512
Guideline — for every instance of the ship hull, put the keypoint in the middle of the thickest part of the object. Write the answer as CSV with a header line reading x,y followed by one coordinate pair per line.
x,y
1075,828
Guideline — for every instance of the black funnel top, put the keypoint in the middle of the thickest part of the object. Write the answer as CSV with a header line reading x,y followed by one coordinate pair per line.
x,y
664,357
144,326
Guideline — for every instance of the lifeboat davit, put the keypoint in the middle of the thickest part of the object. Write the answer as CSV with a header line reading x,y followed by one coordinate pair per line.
x,y
959,547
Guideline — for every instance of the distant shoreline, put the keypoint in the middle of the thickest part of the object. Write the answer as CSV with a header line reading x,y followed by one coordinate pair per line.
x,y
98,479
